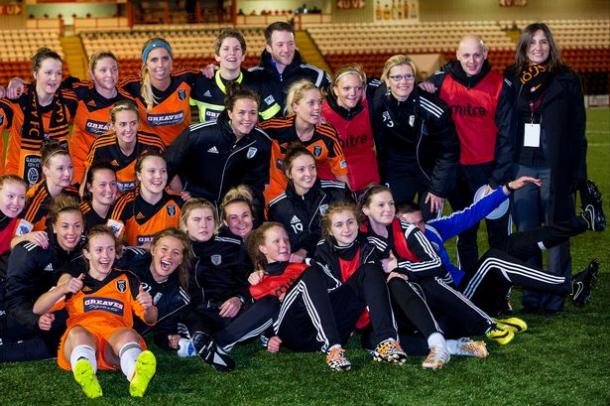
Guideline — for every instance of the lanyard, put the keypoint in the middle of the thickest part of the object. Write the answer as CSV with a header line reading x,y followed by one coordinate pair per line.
x,y
535,105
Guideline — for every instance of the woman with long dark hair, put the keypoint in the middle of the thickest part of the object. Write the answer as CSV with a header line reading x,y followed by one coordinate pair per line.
x,y
549,144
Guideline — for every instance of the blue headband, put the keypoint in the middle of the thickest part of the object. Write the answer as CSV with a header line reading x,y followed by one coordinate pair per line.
x,y
155,44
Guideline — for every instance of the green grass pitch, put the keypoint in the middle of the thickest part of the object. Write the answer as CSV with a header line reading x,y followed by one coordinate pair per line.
x,y
561,360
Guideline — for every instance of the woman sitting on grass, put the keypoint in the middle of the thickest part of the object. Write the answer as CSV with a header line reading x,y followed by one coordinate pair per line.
x,y
99,328
315,313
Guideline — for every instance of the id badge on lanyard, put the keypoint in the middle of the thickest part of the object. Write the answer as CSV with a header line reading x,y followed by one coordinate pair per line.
x,y
531,132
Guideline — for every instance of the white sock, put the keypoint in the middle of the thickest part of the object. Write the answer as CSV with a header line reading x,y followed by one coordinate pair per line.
x,y
452,346
83,351
128,355
436,340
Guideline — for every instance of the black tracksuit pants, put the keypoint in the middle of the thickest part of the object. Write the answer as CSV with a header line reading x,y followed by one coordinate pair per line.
x,y
488,282
410,309
251,321
313,319
457,315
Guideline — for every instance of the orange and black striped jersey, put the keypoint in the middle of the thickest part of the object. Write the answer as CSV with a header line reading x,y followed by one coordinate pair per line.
x,y
142,220
106,149
38,200
171,114
6,118
33,125
324,146
91,217
110,303
92,119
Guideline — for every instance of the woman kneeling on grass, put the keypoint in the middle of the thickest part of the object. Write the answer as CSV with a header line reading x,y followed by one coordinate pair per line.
x,y
100,306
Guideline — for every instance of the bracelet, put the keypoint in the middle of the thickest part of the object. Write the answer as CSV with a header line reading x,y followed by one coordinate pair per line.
x,y
510,189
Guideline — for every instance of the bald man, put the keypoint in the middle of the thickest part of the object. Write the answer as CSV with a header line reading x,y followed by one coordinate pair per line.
x,y
480,107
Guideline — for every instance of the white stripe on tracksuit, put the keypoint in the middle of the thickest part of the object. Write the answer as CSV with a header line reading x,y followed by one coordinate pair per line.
x,y
254,333
300,289
465,300
433,263
507,268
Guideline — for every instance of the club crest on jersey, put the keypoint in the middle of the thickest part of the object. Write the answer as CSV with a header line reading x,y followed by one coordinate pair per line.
x,y
323,209
411,121
121,285
216,259
251,152
171,210
269,99
387,119
317,151
181,94
32,169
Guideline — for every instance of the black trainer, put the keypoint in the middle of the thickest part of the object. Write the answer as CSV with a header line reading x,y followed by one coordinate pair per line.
x,y
213,355
591,203
583,283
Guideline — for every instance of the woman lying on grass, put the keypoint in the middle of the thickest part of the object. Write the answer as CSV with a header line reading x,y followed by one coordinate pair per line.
x,y
99,329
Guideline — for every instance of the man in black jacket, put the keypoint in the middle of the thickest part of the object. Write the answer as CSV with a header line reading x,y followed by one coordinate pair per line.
x,y
280,66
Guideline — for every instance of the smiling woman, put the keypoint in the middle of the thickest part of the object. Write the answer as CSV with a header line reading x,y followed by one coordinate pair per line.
x,y
211,158
303,125
123,144
141,213
304,201
100,307
550,144
43,111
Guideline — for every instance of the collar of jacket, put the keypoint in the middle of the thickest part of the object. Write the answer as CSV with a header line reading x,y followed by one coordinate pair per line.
x,y
224,124
404,107
269,65
315,191
343,112
201,248
60,255
224,231
454,68
276,268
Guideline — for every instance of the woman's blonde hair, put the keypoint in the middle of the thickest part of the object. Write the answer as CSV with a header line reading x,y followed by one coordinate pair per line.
x,y
396,60
297,91
238,194
192,204
348,70
8,178
146,90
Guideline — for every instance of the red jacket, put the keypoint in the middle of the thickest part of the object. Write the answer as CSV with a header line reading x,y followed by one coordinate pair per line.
x,y
278,284
473,110
356,138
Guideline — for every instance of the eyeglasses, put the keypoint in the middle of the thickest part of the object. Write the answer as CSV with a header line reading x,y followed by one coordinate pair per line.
x,y
398,78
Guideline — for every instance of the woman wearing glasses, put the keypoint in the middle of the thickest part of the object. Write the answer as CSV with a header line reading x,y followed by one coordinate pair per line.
x,y
417,147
